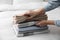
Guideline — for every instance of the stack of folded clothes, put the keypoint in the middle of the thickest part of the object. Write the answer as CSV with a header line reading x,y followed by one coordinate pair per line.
x,y
23,27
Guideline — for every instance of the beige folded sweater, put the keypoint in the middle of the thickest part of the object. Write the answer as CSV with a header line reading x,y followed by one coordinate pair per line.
x,y
19,19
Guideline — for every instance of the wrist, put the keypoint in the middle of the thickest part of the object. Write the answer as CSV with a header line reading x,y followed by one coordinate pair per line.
x,y
50,22
40,11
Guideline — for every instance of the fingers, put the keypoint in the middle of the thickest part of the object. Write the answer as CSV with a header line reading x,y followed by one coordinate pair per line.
x,y
29,18
29,14
38,23
41,23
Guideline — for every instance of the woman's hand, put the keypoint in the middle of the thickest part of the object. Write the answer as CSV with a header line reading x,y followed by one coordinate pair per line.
x,y
32,13
42,23
45,22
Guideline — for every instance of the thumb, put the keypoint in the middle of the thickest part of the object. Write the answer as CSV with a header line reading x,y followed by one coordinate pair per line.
x,y
38,23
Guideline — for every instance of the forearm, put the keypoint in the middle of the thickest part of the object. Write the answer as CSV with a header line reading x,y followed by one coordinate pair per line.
x,y
53,22
51,5
50,22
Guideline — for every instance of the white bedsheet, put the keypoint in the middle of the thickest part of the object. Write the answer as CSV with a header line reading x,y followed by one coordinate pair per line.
x,y
7,32
21,6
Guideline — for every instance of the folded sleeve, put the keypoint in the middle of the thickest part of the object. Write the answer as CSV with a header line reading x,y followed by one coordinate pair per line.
x,y
51,5
57,23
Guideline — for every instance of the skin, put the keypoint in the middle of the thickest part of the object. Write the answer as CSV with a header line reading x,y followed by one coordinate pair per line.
x,y
45,22
40,11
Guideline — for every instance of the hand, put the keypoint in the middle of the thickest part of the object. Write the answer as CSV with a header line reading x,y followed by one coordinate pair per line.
x,y
29,14
42,23
32,13
45,22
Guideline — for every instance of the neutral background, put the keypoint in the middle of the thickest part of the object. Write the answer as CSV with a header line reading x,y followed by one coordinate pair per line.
x,y
6,23
6,1
7,31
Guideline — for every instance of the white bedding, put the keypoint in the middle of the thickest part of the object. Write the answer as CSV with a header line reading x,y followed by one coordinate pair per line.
x,y
6,28
6,2
7,32
21,6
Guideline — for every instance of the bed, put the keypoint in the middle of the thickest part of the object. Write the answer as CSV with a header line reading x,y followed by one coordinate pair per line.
x,y
7,31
